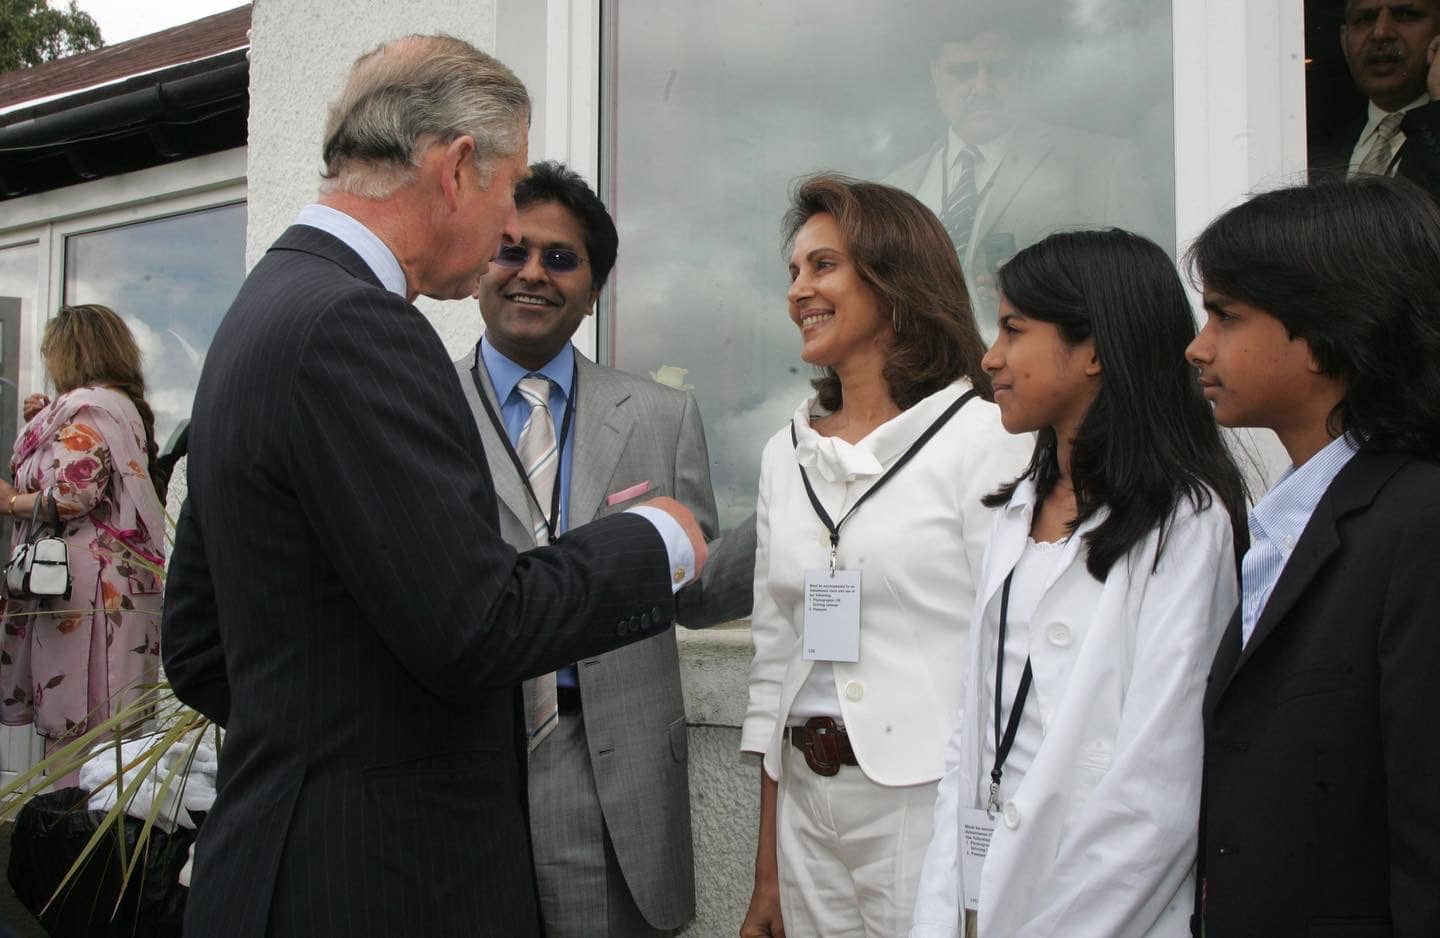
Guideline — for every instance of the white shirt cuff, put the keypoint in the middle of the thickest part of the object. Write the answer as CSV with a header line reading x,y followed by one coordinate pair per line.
x,y
677,545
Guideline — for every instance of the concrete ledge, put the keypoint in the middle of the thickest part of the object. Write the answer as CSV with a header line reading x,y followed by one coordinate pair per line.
x,y
715,673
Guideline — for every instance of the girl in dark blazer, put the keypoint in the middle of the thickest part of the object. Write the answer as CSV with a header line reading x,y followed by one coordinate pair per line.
x,y
1320,814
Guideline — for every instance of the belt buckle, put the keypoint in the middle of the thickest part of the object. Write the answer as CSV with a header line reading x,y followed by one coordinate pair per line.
x,y
821,746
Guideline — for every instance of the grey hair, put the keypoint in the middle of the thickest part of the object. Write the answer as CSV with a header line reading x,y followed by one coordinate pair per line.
x,y
409,93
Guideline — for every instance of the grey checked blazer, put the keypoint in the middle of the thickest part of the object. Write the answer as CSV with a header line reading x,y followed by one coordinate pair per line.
x,y
627,431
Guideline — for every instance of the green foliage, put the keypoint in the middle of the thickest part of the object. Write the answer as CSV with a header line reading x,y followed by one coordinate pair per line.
x,y
31,32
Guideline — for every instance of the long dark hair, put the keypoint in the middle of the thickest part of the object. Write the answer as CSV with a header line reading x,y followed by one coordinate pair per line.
x,y
1353,268
1149,439
901,251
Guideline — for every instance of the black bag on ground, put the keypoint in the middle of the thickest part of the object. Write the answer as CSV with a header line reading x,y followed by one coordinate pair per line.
x,y
51,830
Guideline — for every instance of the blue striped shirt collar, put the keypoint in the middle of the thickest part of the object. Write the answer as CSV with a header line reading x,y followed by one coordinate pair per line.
x,y
1278,520
1286,509
355,236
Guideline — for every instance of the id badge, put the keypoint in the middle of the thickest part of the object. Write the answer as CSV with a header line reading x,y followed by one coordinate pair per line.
x,y
832,615
975,829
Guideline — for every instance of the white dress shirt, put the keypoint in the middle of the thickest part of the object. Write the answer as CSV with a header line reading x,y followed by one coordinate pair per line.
x,y
917,543
1099,837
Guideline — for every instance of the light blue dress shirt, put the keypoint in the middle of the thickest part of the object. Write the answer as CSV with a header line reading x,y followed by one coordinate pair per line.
x,y
514,410
355,236
1277,522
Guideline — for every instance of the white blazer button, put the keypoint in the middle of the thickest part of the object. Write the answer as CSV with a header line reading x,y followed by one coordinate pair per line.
x,y
1058,633
1012,815
854,690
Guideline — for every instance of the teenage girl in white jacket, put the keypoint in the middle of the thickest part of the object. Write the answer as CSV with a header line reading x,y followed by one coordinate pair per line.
x,y
1112,568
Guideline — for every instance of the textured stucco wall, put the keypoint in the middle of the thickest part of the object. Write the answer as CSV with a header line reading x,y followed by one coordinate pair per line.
x,y
724,789
299,55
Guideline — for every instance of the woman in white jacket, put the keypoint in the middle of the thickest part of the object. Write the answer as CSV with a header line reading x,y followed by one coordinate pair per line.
x,y
851,707
1109,576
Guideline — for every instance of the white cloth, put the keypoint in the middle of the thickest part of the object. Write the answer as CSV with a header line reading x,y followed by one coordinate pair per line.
x,y
917,543
176,785
1027,588
849,851
1366,141
1100,836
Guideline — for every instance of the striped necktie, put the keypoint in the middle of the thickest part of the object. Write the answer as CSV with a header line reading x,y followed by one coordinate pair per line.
x,y
961,200
1377,160
540,456
538,451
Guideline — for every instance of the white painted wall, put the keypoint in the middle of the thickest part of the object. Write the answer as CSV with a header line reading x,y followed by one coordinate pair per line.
x,y
299,56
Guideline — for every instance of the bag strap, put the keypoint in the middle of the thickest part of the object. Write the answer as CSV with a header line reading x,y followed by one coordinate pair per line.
x,y
38,523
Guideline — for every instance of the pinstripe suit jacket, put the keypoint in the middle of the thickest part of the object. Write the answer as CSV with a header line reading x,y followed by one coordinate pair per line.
x,y
340,599
628,431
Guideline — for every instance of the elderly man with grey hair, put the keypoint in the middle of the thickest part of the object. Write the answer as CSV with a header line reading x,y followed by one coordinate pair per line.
x,y
339,597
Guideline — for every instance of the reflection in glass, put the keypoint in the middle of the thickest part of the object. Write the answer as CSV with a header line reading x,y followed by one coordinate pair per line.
x,y
172,280
18,272
1020,119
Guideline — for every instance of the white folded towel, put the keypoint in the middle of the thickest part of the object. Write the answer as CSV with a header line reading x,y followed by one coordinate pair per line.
x,y
191,789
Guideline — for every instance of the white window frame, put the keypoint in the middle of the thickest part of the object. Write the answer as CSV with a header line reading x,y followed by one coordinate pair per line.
x,y
46,220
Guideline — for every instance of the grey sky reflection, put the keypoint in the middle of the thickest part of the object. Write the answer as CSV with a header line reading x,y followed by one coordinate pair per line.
x,y
719,107
172,280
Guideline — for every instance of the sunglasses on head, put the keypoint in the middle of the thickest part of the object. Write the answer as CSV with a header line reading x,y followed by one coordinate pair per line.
x,y
554,260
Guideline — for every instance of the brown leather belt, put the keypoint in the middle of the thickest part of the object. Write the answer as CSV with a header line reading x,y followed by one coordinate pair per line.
x,y
826,745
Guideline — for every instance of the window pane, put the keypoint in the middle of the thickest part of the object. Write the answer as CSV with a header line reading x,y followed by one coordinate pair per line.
x,y
172,280
715,108
18,273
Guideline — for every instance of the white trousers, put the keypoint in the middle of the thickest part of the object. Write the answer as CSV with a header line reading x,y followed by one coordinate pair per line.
x,y
849,851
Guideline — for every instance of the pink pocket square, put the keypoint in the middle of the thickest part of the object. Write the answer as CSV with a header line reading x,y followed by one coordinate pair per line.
x,y
624,495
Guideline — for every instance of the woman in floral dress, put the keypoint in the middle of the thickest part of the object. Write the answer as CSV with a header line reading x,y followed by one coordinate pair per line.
x,y
65,663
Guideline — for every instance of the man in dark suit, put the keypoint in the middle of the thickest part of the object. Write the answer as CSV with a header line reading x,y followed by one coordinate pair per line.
x,y
339,597
608,863
1392,48
1319,813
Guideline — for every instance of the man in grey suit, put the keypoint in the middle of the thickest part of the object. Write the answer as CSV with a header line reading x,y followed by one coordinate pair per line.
x,y
609,794
1000,181
340,598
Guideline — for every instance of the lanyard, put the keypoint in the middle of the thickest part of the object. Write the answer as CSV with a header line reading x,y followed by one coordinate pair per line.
x,y
1003,744
834,526
552,520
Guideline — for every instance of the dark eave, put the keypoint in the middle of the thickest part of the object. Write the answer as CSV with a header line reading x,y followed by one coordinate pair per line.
x,y
171,112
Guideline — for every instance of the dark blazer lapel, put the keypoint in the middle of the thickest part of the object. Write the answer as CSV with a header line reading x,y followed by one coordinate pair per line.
x,y
509,490
1353,489
1226,656
602,425
309,240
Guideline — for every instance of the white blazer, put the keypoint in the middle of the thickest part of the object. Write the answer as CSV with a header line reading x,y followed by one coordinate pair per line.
x,y
1100,836
918,543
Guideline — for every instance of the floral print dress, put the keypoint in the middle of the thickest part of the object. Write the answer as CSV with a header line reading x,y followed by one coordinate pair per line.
x,y
64,663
